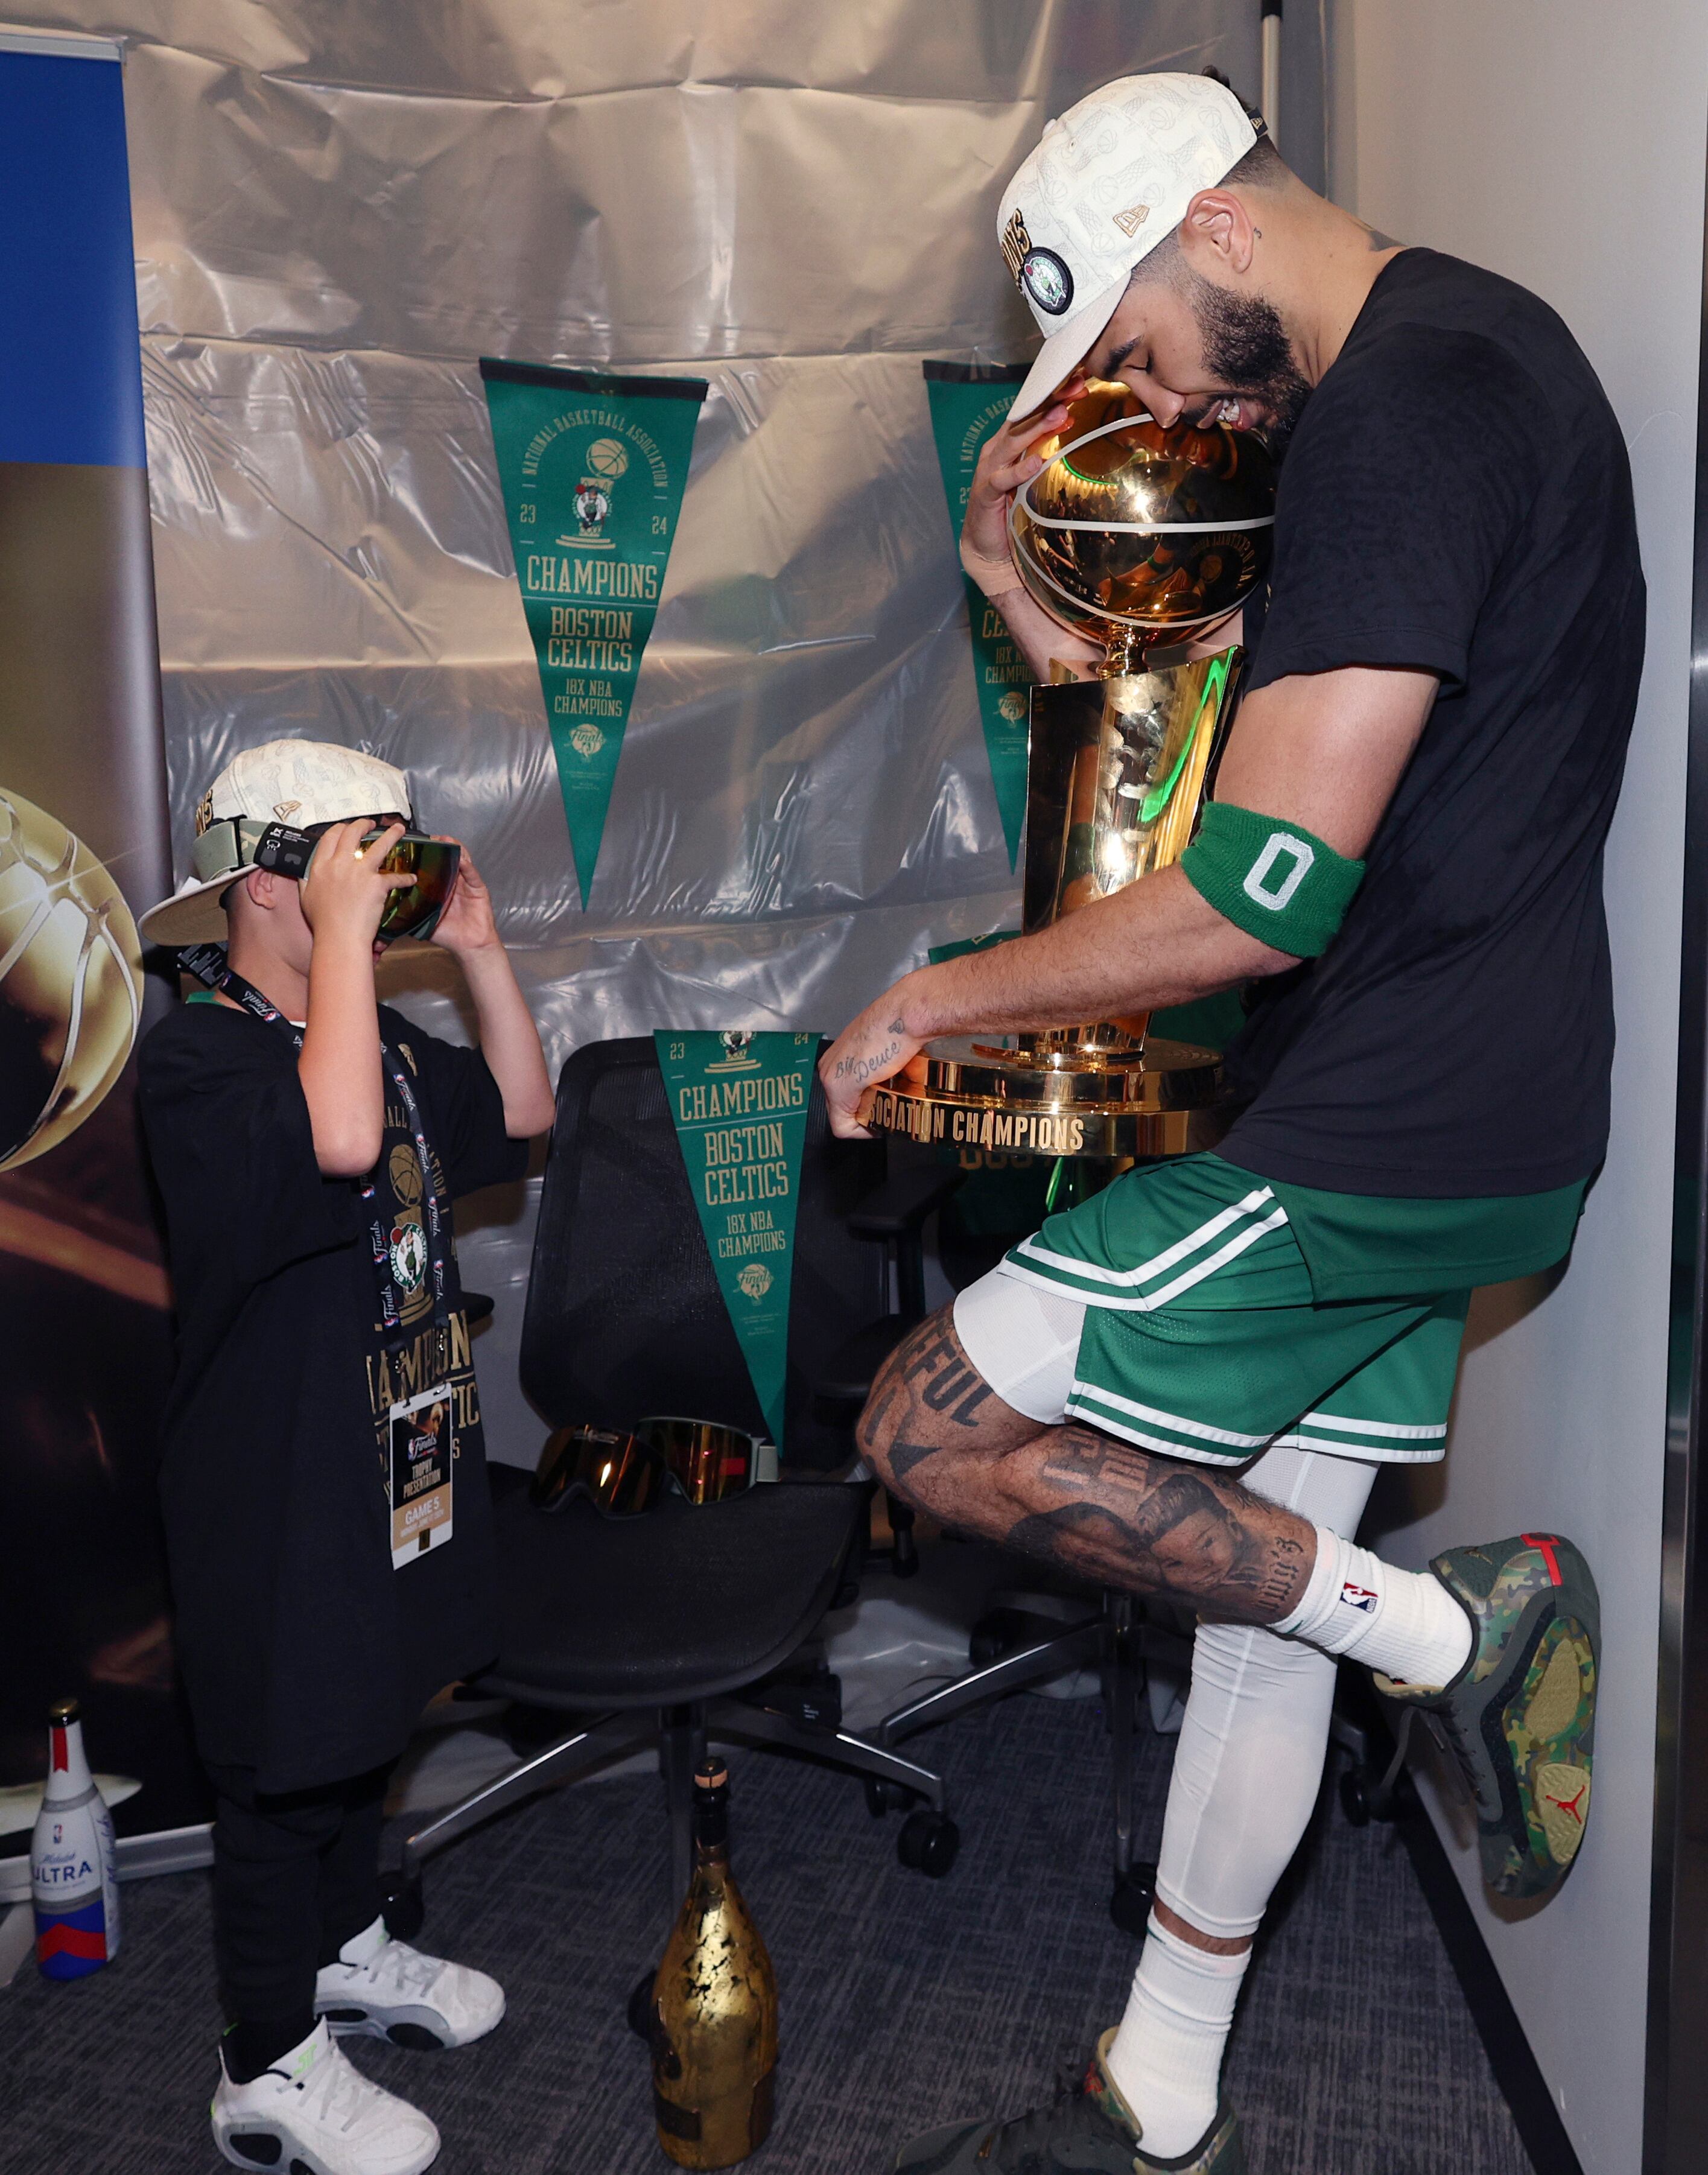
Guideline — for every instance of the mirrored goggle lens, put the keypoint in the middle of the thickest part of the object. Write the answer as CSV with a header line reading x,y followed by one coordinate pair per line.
x,y
433,863
618,1474
707,1462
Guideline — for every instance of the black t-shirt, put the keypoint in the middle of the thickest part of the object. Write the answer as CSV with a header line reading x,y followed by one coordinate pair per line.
x,y
1456,499
305,1655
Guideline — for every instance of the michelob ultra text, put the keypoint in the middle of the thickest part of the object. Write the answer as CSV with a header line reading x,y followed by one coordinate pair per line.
x,y
73,1874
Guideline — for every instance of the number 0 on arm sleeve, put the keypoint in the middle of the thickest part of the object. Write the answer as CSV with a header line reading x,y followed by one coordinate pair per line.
x,y
1276,881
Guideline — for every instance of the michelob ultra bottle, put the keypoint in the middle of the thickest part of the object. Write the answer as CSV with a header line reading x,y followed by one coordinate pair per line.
x,y
74,1873
714,2006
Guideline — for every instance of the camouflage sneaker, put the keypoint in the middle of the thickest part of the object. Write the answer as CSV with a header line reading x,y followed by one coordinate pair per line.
x,y
1520,1715
1089,2130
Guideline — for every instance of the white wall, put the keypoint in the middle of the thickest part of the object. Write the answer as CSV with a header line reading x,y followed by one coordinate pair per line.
x,y
1564,146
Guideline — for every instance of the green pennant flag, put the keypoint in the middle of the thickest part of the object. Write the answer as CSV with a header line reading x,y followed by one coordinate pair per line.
x,y
740,1103
969,402
592,469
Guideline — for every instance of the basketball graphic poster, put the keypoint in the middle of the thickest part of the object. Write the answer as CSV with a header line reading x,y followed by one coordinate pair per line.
x,y
84,1611
969,403
592,469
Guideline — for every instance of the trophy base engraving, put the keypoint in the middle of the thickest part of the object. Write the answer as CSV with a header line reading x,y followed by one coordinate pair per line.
x,y
972,1093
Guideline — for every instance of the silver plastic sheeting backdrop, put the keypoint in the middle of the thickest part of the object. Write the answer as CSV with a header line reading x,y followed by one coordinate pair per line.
x,y
339,209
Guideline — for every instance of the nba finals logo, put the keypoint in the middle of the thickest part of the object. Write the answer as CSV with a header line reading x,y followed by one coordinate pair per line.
x,y
607,459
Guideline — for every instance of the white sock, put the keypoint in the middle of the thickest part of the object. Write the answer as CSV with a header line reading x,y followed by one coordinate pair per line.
x,y
363,1947
1404,1622
1166,2059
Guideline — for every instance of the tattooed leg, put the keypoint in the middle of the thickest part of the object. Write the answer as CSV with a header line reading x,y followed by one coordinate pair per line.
x,y
940,1438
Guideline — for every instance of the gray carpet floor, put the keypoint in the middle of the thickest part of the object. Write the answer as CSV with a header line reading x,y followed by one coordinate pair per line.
x,y
905,2002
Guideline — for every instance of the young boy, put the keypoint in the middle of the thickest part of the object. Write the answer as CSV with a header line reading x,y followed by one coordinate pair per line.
x,y
331,1548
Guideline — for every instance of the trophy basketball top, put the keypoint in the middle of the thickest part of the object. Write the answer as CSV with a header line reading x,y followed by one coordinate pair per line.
x,y
1132,530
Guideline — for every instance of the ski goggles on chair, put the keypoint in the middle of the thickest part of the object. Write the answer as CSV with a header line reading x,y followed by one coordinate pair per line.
x,y
624,1475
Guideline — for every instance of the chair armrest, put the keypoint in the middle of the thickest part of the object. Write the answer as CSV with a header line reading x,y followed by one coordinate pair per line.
x,y
904,1199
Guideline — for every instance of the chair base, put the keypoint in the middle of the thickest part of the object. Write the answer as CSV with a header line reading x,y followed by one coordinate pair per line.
x,y
681,1733
1118,1644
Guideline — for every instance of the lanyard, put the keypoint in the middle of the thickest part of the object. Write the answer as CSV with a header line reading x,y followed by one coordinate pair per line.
x,y
208,964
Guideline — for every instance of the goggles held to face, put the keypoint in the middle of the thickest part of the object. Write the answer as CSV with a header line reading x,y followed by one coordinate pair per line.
x,y
623,1476
432,863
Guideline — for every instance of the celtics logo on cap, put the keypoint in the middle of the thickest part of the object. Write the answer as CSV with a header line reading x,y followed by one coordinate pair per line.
x,y
1047,280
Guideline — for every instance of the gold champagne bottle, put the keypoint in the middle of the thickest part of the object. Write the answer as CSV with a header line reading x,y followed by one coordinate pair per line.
x,y
714,2006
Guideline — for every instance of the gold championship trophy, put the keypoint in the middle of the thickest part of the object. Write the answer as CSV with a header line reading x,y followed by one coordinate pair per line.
x,y
1137,536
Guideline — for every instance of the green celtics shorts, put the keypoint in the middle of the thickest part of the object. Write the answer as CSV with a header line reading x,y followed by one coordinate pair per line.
x,y
1176,1309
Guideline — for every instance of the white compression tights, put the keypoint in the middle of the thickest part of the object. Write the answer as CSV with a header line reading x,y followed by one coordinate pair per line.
x,y
1247,1769
1249,1763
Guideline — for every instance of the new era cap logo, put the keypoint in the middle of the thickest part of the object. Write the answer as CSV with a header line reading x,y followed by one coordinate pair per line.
x,y
1131,220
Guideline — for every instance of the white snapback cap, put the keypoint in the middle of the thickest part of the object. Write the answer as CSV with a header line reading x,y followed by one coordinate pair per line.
x,y
300,783
1109,181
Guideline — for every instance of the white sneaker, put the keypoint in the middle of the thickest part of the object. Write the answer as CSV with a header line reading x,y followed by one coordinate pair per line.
x,y
315,2113
385,1989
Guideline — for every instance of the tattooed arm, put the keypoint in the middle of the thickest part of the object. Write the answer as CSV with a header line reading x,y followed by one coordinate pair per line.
x,y
868,1049
940,1438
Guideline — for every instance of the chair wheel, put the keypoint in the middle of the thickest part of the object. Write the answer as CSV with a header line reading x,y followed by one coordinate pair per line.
x,y
883,1796
998,1633
1364,1797
928,1843
1135,1891
402,1905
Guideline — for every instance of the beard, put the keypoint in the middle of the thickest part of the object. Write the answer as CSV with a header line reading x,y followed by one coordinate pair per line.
x,y
1246,347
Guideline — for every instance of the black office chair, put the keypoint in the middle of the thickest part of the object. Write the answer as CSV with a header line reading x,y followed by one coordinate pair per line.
x,y
644,1629
1012,1650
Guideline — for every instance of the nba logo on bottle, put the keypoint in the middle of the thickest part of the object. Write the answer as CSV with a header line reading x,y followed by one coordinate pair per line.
x,y
73,1870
